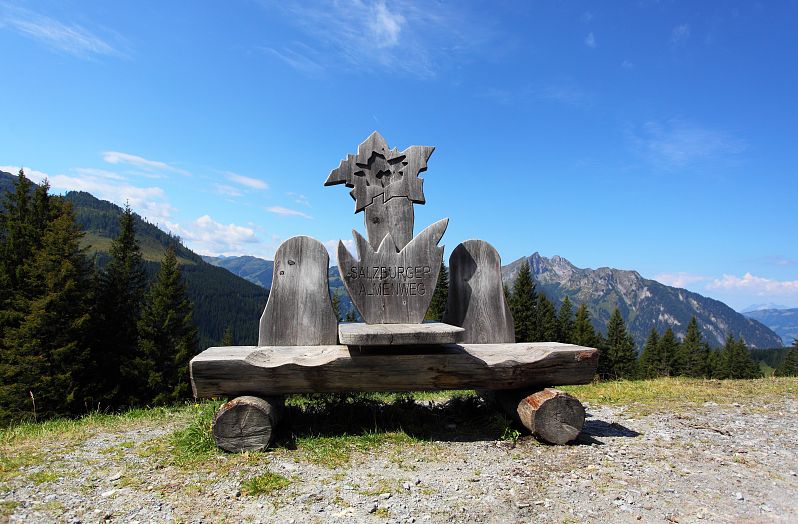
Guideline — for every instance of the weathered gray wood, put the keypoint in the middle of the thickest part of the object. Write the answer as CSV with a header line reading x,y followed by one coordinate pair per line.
x,y
299,309
551,415
231,371
247,423
360,334
390,286
385,184
476,296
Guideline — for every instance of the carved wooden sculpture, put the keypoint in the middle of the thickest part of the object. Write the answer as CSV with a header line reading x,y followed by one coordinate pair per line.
x,y
395,276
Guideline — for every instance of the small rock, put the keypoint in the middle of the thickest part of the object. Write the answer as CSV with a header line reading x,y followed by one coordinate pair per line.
x,y
106,494
373,507
406,485
418,480
385,496
116,476
739,496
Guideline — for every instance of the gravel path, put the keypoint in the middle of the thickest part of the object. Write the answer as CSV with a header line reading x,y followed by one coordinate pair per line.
x,y
707,463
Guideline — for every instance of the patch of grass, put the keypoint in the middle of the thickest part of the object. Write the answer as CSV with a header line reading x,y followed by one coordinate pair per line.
x,y
72,429
40,477
7,507
326,399
13,460
664,394
382,486
382,512
335,451
264,484
195,442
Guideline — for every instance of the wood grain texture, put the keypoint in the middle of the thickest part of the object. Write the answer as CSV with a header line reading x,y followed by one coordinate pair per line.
x,y
395,217
299,309
393,286
247,423
551,415
476,296
360,334
232,371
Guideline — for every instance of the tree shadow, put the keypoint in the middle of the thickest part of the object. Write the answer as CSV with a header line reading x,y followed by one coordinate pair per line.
x,y
465,418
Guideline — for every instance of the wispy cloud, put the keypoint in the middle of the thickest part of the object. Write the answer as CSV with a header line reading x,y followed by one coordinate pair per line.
x,y
68,38
680,279
626,64
119,158
252,183
680,34
566,93
299,199
760,286
226,190
286,212
332,248
149,202
678,143
207,236
399,35
590,40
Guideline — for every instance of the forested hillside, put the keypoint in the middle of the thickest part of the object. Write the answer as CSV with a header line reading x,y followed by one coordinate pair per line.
x,y
221,299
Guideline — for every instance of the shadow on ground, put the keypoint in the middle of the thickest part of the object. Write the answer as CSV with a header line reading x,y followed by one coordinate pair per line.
x,y
462,418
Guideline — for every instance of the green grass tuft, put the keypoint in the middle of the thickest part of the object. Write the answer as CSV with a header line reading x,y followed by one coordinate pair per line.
x,y
264,484
336,451
195,442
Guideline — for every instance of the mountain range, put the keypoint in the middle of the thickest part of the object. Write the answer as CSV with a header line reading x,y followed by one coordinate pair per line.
x,y
784,321
644,303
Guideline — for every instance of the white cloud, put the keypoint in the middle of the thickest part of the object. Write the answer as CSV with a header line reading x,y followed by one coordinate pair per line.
x,y
760,286
149,202
209,237
678,143
680,34
626,64
253,183
285,212
32,174
119,158
68,38
679,279
590,40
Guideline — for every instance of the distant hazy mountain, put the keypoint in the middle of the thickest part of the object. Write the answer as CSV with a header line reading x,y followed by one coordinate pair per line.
x,y
783,321
760,307
643,302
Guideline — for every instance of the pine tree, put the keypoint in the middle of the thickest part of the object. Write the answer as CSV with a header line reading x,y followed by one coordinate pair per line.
x,y
523,306
565,322
789,366
336,305
736,361
650,357
695,353
668,347
437,306
621,357
167,338
547,320
119,297
583,333
227,338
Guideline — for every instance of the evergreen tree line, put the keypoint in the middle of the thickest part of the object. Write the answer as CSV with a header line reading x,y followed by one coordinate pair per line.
x,y
537,320
76,338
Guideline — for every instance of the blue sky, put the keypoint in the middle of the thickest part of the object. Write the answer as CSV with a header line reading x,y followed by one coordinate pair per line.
x,y
655,136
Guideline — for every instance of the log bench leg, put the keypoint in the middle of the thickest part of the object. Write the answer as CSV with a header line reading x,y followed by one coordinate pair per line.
x,y
551,415
247,423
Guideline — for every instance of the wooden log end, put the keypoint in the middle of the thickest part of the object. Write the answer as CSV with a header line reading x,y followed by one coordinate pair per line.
x,y
556,417
247,423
